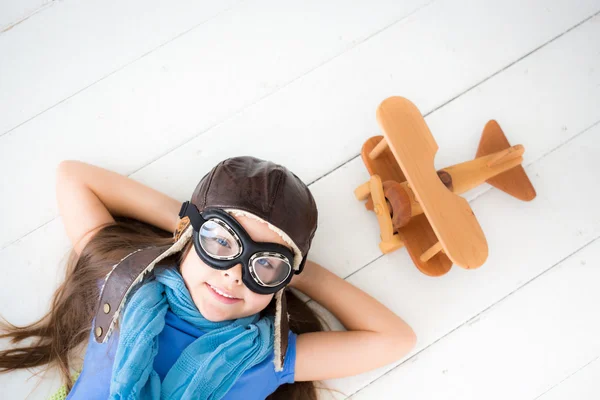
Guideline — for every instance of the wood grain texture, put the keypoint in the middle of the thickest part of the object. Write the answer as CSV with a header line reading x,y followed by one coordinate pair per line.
x,y
418,237
385,165
439,53
196,98
379,148
430,252
450,216
401,200
145,89
390,241
470,174
482,337
401,206
514,181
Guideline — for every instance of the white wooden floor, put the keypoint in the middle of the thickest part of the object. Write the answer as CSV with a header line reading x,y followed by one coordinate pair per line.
x,y
161,91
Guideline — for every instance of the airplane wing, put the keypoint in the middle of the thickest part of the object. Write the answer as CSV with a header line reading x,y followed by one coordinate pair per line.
x,y
450,217
418,236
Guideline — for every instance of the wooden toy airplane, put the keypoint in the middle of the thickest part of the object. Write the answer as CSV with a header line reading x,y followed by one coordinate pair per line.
x,y
418,207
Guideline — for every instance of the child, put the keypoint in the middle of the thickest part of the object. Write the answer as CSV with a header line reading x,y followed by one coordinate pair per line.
x,y
204,314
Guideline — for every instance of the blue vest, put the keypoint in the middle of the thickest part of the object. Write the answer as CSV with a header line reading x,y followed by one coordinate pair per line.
x,y
255,384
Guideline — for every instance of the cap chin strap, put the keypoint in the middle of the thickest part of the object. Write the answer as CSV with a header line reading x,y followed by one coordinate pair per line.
x,y
281,330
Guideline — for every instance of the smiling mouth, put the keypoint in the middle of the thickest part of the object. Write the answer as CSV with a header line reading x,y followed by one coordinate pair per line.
x,y
222,296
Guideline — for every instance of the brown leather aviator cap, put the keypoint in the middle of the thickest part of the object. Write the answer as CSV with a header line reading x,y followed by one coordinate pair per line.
x,y
264,189
241,185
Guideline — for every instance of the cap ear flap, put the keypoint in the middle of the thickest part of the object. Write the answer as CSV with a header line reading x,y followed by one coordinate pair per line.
x,y
281,330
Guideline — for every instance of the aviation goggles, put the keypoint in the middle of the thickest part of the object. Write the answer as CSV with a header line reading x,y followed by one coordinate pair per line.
x,y
221,242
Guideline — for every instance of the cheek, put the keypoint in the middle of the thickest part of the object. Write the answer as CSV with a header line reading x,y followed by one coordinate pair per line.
x,y
194,272
257,302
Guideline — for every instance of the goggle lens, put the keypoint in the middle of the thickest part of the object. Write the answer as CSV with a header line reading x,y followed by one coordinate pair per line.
x,y
270,270
218,241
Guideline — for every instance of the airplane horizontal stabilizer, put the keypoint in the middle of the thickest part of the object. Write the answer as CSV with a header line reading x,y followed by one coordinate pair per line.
x,y
514,181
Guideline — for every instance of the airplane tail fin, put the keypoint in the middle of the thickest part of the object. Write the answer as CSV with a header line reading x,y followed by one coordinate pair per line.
x,y
514,181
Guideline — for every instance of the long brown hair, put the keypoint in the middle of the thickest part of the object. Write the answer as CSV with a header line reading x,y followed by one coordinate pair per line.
x,y
66,327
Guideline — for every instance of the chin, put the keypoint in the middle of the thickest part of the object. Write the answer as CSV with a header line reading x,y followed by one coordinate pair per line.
x,y
215,319
214,313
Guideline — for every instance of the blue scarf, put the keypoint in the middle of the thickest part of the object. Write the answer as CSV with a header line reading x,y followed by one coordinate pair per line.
x,y
206,369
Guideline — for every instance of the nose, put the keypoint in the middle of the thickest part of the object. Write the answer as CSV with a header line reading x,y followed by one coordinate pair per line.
x,y
234,274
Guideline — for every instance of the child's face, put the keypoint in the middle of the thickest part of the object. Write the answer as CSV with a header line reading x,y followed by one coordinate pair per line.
x,y
199,278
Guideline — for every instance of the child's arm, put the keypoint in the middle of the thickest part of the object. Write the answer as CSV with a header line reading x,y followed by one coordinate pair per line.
x,y
376,336
89,197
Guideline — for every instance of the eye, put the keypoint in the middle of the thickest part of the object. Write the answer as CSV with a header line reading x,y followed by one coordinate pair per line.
x,y
264,262
222,241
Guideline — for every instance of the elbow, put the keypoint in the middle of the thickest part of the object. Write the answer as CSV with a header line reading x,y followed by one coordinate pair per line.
x,y
64,170
62,173
411,339
68,171
405,341
398,344
66,176
66,166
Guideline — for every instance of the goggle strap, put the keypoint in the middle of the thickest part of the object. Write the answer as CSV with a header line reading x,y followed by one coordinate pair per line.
x,y
300,267
191,211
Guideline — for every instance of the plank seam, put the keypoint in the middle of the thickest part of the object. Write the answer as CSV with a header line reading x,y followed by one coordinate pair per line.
x,y
120,68
486,190
517,60
279,88
356,156
483,81
567,377
26,17
485,310
239,111
235,113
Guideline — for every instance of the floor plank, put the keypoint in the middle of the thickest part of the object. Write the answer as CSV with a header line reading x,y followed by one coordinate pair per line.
x,y
540,119
79,43
548,101
354,249
166,97
322,105
524,239
12,12
517,349
582,385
